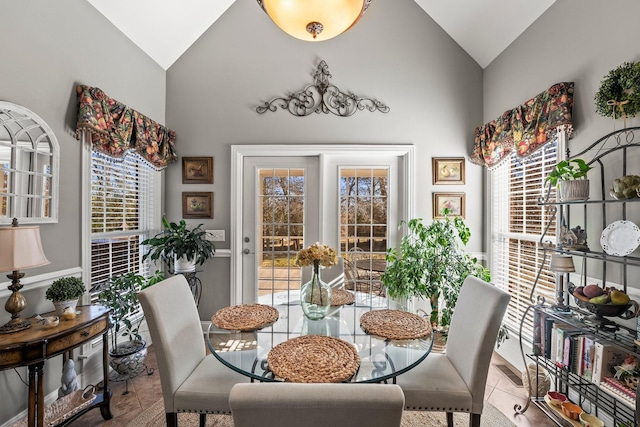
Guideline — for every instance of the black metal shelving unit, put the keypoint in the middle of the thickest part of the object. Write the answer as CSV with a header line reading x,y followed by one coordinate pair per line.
x,y
618,143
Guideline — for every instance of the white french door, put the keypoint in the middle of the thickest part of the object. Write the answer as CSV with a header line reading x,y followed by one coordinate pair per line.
x,y
287,197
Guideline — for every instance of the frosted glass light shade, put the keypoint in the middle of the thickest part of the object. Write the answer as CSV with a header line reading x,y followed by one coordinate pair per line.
x,y
562,263
21,248
328,18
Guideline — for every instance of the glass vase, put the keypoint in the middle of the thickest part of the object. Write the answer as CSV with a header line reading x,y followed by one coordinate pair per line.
x,y
315,296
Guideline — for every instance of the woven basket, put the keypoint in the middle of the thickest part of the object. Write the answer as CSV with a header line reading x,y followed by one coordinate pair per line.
x,y
64,408
543,381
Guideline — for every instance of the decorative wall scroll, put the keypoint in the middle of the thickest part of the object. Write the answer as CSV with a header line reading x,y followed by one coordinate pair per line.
x,y
322,97
453,201
197,170
448,170
197,204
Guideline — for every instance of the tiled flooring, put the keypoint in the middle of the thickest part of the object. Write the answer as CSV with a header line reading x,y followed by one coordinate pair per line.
x,y
144,390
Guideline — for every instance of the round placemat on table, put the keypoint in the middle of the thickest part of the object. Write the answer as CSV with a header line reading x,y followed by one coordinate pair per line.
x,y
395,324
314,359
341,297
245,317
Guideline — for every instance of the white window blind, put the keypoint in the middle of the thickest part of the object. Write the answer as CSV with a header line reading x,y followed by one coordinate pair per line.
x,y
122,212
517,224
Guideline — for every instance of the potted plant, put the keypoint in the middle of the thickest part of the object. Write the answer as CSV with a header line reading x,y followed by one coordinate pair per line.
x,y
119,294
179,247
430,263
570,176
64,293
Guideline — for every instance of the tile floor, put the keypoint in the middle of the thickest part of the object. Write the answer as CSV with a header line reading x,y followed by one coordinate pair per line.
x,y
144,390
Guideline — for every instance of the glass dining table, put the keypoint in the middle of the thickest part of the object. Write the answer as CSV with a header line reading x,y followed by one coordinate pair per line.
x,y
381,359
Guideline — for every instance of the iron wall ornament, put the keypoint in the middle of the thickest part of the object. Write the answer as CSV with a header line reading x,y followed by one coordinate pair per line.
x,y
322,97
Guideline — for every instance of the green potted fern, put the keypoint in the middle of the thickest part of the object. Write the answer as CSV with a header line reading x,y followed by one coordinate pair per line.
x,y
181,248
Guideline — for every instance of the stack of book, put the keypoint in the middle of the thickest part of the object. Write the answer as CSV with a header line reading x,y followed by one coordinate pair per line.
x,y
580,353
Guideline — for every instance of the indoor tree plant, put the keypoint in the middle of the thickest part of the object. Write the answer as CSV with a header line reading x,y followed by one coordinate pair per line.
x,y
570,176
65,292
179,247
119,294
430,263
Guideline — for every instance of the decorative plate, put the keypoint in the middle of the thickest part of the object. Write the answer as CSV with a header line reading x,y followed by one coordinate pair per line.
x,y
620,238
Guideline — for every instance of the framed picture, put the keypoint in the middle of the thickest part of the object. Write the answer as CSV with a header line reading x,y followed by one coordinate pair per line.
x,y
197,204
453,201
197,170
448,170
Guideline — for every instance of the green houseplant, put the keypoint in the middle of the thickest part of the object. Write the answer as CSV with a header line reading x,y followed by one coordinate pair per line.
x,y
177,243
65,292
119,293
570,176
430,263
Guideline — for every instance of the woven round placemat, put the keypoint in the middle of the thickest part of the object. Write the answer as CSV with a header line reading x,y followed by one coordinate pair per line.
x,y
341,297
395,324
245,317
314,359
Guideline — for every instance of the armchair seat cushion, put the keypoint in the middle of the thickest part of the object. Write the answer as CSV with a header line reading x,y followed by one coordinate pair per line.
x,y
207,388
435,385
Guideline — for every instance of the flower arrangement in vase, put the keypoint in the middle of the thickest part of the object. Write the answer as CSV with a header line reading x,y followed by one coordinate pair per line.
x,y
315,295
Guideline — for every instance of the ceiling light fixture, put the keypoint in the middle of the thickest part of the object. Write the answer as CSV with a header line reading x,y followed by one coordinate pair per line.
x,y
314,20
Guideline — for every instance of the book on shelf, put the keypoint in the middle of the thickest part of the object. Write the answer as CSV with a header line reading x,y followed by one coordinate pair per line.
x,y
587,355
538,332
605,357
619,385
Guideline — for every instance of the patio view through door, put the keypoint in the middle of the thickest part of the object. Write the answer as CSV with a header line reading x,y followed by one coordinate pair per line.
x,y
290,202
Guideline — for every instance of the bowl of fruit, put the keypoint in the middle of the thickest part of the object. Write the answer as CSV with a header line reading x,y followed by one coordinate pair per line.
x,y
604,302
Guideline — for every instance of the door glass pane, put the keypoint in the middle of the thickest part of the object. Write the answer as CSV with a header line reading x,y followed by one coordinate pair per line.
x,y
280,230
364,227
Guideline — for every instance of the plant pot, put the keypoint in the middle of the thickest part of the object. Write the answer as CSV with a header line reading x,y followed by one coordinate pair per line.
x,y
62,305
573,190
183,265
127,359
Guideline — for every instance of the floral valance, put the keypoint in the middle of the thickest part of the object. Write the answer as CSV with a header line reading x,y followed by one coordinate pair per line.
x,y
116,129
525,128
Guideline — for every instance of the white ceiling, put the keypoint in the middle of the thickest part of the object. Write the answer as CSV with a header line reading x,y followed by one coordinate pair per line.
x,y
165,29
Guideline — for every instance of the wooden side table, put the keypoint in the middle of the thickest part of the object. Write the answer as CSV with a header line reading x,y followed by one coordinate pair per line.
x,y
31,347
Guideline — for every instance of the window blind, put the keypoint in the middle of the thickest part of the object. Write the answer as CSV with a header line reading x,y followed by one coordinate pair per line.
x,y
517,224
122,212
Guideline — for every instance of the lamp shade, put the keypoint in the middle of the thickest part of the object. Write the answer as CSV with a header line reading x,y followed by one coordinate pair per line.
x,y
20,248
562,263
314,20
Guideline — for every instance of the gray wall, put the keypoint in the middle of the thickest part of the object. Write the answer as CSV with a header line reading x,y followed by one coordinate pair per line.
x,y
575,40
396,54
47,48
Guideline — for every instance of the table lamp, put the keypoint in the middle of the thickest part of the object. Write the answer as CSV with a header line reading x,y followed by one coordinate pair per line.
x,y
20,248
561,264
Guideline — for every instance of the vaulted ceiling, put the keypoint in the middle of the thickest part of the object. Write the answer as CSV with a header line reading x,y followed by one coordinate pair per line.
x,y
165,29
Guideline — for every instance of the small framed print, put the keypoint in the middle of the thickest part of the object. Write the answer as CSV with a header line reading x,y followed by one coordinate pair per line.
x,y
197,170
197,204
448,170
452,201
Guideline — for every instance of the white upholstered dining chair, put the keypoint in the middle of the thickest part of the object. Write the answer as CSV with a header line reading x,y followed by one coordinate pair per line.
x,y
316,405
455,381
191,380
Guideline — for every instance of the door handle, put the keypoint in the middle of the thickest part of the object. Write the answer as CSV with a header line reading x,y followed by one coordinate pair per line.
x,y
246,251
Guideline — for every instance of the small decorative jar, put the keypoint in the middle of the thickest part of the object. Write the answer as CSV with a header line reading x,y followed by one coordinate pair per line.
x,y
315,296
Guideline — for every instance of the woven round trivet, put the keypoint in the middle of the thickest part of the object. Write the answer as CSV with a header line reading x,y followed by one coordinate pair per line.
x,y
341,297
395,324
245,317
314,359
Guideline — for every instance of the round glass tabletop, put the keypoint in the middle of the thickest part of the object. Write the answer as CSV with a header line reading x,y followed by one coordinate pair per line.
x,y
380,359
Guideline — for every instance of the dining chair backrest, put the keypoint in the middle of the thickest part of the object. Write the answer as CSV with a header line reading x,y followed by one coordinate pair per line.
x,y
174,325
473,332
316,405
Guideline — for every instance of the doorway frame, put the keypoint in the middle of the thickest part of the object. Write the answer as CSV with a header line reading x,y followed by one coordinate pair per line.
x,y
238,153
